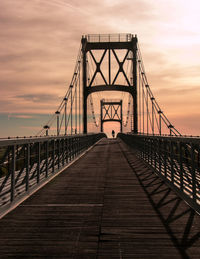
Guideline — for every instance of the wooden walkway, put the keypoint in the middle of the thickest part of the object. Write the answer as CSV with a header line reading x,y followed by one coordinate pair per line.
x,y
108,204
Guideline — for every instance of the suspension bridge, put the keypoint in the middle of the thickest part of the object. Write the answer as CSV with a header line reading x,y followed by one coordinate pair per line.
x,y
71,192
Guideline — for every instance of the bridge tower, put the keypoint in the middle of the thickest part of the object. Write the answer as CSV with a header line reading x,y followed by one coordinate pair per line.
x,y
111,110
110,44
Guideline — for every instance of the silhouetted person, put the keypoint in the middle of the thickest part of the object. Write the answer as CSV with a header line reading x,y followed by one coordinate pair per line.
x,y
113,133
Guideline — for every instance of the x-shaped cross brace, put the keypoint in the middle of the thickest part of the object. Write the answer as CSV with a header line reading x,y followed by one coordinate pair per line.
x,y
107,112
121,69
98,67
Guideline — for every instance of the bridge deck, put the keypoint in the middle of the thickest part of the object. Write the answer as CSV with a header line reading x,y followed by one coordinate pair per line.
x,y
108,204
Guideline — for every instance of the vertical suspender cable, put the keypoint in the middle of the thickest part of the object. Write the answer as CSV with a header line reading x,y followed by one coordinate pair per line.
x,y
143,105
65,99
152,100
79,85
71,109
76,108
139,97
147,110
160,122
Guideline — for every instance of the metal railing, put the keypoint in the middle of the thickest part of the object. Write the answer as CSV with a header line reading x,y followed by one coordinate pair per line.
x,y
175,159
123,37
25,163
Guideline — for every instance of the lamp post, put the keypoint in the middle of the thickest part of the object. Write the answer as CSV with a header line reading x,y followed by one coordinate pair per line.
x,y
46,127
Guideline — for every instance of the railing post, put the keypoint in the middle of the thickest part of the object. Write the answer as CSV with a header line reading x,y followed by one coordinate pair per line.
x,y
38,162
165,157
193,173
160,122
181,165
159,154
172,160
63,152
47,158
73,147
70,148
81,144
144,149
13,167
67,148
58,153
76,152
87,142
53,158
155,147
152,150
78,145
58,124
27,166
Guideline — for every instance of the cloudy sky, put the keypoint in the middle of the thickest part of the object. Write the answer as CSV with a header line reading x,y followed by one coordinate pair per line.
x,y
39,41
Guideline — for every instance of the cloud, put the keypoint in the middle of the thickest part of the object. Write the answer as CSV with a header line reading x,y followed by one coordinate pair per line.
x,y
38,97
179,91
20,116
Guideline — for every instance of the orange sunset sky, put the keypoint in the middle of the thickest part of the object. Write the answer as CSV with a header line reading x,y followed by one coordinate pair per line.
x,y
39,41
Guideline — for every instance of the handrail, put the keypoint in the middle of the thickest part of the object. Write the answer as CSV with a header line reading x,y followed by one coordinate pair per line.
x,y
21,140
175,159
25,163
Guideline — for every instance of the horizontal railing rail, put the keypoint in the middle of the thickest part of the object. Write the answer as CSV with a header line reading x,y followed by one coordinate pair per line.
x,y
175,159
25,163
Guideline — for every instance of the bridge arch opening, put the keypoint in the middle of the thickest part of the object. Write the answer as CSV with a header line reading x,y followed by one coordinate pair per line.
x,y
94,110
109,126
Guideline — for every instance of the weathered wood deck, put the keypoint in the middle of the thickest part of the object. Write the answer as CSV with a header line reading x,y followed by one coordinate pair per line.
x,y
108,204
